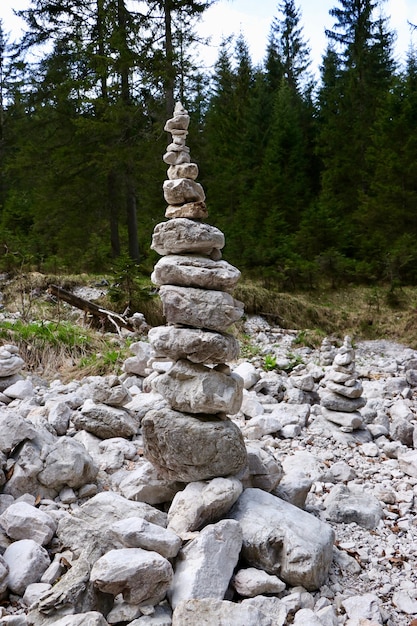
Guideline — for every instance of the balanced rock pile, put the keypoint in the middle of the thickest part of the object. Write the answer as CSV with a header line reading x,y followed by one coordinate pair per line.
x,y
194,440
342,398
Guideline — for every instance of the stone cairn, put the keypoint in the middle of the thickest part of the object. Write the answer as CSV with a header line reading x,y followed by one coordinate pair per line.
x,y
341,394
192,439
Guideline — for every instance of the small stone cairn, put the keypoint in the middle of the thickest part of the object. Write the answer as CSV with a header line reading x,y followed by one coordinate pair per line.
x,y
341,394
192,439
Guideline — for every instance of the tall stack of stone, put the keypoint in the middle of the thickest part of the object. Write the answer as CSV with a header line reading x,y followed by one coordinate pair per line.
x,y
193,439
341,395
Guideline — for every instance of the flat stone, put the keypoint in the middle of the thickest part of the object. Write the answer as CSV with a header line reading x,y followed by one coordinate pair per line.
x,y
134,532
207,612
201,503
196,388
408,462
195,271
348,504
196,345
283,540
20,390
352,391
185,170
24,521
105,421
189,448
141,576
365,607
252,582
172,157
337,402
189,210
182,235
144,484
351,420
95,517
205,565
13,430
201,308
183,190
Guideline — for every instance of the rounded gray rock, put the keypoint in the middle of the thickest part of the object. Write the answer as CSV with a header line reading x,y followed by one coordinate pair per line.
x,y
188,448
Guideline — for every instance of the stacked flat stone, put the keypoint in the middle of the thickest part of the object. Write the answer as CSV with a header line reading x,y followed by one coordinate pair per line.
x,y
327,352
193,439
341,396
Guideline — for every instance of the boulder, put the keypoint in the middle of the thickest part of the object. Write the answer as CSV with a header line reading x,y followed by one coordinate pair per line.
x,y
202,502
196,345
201,308
283,540
141,576
196,388
105,421
205,565
195,271
189,448
182,236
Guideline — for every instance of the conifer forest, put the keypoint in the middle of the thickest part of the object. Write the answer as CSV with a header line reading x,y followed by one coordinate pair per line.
x,y
310,178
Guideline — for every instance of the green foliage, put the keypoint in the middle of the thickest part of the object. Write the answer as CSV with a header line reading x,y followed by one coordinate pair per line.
x,y
270,362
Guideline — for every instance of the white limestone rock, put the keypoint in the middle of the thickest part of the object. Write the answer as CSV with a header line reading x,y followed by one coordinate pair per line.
x,y
352,504
67,463
202,502
110,390
196,345
408,462
144,484
138,364
184,170
24,521
181,190
363,607
196,388
252,582
352,419
205,565
188,448
182,236
34,591
263,470
94,518
294,488
207,612
13,430
201,308
336,402
248,372
105,421
20,390
134,532
189,210
144,402
141,576
10,361
284,540
58,415
27,561
195,271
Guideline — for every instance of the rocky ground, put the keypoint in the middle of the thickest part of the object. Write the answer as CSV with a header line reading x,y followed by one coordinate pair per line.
x,y
88,529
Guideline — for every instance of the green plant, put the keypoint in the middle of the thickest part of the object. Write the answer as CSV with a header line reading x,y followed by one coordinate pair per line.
x,y
294,360
270,362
